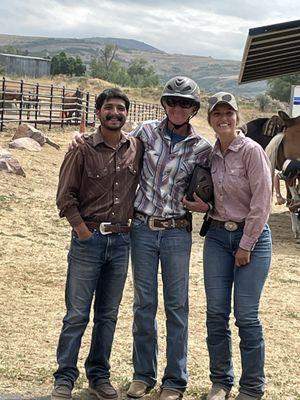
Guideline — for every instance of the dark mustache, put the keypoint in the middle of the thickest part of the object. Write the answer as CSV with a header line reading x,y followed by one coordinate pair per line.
x,y
118,117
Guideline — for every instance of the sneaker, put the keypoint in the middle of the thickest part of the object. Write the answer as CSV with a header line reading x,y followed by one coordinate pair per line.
x,y
61,392
104,391
217,393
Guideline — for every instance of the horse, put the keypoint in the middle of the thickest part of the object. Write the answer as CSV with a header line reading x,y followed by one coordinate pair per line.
x,y
262,130
283,144
8,97
72,105
289,148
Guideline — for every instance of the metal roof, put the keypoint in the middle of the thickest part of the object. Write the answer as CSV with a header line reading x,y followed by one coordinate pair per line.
x,y
271,51
24,57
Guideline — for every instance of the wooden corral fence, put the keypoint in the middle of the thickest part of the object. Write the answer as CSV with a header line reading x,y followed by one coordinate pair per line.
x,y
50,105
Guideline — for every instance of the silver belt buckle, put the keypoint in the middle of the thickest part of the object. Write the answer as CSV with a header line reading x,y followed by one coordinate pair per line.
x,y
156,228
102,228
231,226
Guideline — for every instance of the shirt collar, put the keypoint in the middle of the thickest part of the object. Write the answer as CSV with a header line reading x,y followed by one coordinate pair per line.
x,y
162,129
98,137
234,146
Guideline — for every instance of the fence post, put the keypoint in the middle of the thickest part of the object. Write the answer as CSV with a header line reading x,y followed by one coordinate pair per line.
x,y
94,110
21,101
87,108
77,106
2,103
36,104
62,107
51,105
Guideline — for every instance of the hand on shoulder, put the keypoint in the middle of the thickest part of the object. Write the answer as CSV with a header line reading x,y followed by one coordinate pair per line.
x,y
78,139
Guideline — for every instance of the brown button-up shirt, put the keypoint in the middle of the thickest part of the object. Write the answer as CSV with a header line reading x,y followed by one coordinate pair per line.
x,y
98,182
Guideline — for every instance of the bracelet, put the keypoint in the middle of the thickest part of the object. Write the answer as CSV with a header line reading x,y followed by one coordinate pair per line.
x,y
210,206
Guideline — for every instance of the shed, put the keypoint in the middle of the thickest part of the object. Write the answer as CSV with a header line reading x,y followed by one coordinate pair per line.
x,y
24,65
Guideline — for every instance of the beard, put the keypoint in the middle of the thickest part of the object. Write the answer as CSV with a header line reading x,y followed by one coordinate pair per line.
x,y
105,122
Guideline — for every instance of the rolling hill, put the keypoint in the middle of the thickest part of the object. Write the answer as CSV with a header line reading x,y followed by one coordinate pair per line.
x,y
211,74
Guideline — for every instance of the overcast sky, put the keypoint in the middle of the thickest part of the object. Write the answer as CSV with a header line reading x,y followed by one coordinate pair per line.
x,y
216,28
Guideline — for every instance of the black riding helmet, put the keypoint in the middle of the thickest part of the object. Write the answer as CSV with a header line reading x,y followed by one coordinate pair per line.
x,y
200,183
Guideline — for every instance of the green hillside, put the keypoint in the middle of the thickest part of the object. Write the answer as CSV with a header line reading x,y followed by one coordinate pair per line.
x,y
211,74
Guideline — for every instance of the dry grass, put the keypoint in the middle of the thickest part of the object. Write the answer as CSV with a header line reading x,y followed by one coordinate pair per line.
x,y
33,251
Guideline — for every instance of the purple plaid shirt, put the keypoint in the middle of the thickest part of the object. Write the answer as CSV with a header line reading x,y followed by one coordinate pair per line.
x,y
166,168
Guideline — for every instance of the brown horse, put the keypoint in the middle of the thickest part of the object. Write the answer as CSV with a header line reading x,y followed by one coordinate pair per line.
x,y
262,130
282,147
72,105
10,95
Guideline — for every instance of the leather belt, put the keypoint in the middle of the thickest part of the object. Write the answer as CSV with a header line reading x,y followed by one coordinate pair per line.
x,y
159,224
107,227
230,226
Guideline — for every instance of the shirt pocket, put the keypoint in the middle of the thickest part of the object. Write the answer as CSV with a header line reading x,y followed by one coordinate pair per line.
x,y
236,178
97,173
100,179
237,171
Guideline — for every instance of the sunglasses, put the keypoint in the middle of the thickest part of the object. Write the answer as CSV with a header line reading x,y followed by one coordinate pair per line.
x,y
213,100
179,101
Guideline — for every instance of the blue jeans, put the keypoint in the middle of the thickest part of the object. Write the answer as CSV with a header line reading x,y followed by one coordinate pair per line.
x,y
96,265
172,248
221,277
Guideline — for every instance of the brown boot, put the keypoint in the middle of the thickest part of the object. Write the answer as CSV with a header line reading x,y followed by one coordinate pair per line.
x,y
138,389
61,392
104,391
217,393
170,394
244,396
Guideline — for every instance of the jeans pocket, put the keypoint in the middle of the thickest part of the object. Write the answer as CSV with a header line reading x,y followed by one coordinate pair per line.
x,y
136,223
89,239
125,237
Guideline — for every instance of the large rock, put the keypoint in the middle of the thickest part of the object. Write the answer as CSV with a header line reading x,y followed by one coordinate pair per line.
x,y
27,130
25,143
8,163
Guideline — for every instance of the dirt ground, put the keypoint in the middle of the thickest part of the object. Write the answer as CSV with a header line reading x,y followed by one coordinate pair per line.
x,y
34,244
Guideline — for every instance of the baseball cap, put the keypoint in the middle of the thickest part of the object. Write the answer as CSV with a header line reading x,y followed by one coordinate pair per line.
x,y
222,97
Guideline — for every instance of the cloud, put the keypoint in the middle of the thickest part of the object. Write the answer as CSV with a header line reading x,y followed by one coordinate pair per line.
x,y
215,28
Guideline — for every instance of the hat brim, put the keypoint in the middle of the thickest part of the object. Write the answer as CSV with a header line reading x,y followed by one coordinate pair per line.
x,y
234,107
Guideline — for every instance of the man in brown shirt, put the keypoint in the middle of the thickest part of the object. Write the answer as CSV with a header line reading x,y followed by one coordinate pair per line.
x,y
96,190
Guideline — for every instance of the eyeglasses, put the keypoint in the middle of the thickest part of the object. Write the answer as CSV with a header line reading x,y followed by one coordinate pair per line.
x,y
226,97
179,101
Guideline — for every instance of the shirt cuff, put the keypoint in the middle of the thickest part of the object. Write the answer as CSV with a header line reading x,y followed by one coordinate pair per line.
x,y
73,217
247,243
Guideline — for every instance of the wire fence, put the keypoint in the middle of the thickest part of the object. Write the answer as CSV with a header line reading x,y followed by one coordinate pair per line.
x,y
58,106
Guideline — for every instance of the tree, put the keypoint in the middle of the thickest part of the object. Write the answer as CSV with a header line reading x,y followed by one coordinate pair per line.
x,y
79,67
9,49
62,64
138,74
142,74
108,55
264,101
280,87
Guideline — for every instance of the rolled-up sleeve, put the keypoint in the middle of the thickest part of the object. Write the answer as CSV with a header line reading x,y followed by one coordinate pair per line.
x,y
260,179
69,186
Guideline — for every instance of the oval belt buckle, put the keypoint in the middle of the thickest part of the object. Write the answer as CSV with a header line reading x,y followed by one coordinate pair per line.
x,y
230,226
